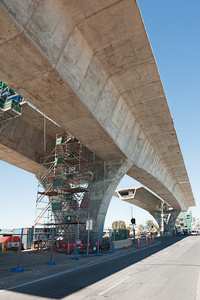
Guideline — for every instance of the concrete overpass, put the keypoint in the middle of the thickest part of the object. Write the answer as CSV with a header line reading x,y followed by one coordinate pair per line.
x,y
145,199
89,67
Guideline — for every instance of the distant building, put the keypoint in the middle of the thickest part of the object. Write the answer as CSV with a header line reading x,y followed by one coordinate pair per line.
x,y
28,235
196,224
185,222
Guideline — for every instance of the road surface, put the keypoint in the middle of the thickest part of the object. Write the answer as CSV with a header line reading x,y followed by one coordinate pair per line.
x,y
169,270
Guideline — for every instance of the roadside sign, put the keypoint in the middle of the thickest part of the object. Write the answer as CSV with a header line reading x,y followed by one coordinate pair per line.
x,y
89,225
56,206
68,218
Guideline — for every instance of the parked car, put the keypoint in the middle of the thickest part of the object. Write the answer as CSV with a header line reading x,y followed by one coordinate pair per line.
x,y
194,232
168,233
180,233
187,233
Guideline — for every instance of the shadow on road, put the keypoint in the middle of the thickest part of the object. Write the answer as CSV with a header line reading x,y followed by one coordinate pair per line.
x,y
58,287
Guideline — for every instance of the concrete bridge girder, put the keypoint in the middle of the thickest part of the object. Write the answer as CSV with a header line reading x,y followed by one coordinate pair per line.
x,y
142,197
72,67
145,199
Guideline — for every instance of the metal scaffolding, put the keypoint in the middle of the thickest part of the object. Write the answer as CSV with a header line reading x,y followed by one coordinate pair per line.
x,y
62,198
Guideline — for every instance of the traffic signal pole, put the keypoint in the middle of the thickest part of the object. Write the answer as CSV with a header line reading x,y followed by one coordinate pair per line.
x,y
133,223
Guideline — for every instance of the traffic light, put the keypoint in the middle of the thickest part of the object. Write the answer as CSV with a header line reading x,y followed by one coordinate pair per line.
x,y
133,221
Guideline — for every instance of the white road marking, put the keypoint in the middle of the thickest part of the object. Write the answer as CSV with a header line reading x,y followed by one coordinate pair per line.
x,y
111,287
198,288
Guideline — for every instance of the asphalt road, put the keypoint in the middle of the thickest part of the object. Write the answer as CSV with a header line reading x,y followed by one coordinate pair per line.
x,y
169,270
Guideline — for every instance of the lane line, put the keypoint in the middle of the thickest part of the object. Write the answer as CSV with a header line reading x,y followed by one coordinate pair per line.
x,y
111,287
198,288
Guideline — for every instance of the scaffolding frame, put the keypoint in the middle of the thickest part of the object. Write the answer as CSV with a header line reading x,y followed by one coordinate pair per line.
x,y
63,182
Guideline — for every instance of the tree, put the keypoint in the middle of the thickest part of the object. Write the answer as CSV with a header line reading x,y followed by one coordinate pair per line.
x,y
119,225
150,223
153,225
140,227
130,228
157,228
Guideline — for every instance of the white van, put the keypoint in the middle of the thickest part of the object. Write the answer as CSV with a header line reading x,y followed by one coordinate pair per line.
x,y
194,232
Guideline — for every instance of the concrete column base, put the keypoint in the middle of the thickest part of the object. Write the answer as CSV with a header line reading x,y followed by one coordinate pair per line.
x,y
172,220
107,176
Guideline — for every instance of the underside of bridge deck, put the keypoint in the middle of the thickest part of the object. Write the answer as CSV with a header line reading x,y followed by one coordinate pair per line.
x,y
88,65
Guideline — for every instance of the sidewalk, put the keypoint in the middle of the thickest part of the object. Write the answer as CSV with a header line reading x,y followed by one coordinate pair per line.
x,y
35,267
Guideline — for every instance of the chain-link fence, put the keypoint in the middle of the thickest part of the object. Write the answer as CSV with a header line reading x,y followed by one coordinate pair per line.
x,y
50,246
36,246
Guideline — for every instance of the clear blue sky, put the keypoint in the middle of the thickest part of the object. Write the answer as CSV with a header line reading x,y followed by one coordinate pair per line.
x,y
173,27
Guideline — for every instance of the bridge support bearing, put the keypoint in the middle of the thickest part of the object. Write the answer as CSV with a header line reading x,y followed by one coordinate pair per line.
x,y
106,177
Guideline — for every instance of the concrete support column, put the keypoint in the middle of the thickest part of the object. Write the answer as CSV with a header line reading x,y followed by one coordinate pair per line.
x,y
172,220
169,226
157,217
106,177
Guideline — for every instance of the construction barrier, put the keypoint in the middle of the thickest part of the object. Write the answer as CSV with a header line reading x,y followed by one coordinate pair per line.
x,y
138,243
52,244
122,243
10,243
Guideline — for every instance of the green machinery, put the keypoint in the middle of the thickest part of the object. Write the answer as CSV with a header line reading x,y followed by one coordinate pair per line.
x,y
10,106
